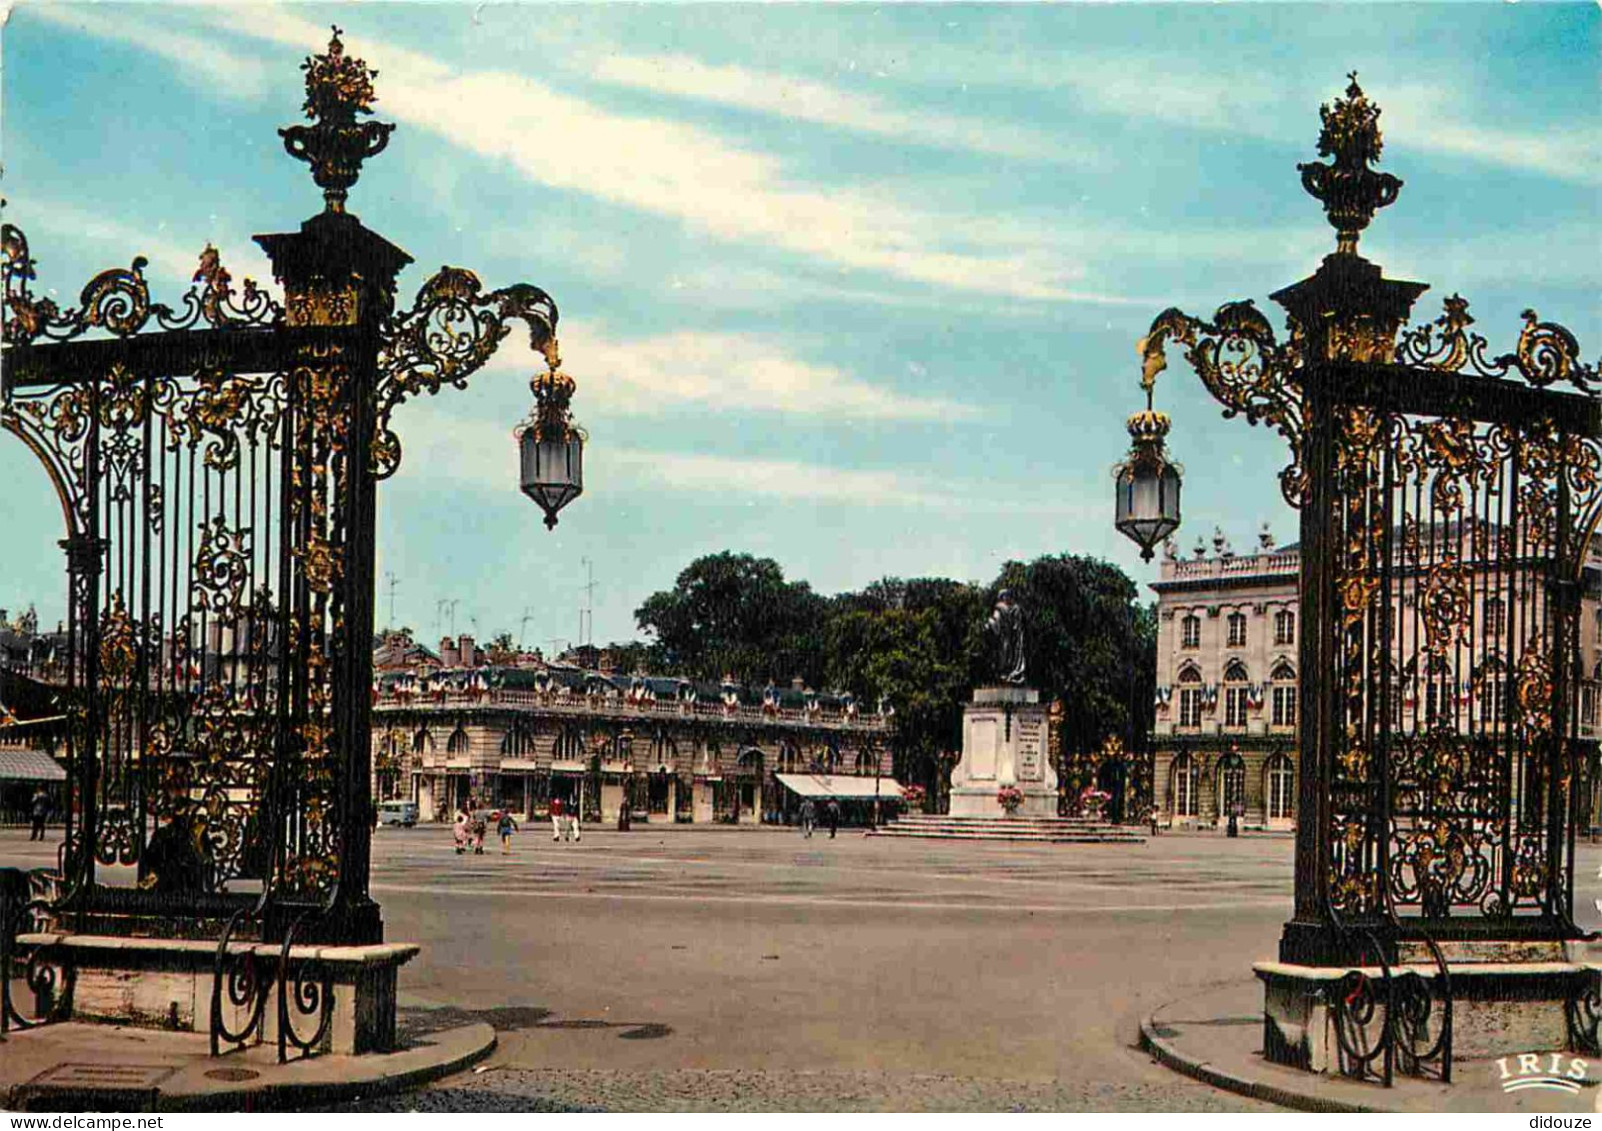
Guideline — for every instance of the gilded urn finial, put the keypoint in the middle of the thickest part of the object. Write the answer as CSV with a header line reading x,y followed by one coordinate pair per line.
x,y
338,88
1350,190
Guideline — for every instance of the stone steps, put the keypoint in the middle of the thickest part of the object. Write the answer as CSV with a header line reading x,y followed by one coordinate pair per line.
x,y
1040,830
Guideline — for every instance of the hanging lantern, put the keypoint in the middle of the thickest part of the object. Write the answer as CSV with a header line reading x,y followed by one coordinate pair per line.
x,y
550,445
1146,495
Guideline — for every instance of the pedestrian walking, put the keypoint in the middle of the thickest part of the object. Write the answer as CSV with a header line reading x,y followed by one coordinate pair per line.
x,y
461,831
809,817
506,826
831,813
556,818
41,810
573,819
480,828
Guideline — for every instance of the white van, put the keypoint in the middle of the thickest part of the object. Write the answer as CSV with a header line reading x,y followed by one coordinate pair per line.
x,y
397,813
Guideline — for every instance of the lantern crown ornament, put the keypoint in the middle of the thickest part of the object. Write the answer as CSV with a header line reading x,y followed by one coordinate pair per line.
x,y
550,444
338,88
1350,191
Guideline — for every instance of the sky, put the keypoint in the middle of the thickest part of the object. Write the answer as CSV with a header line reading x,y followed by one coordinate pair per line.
x,y
854,287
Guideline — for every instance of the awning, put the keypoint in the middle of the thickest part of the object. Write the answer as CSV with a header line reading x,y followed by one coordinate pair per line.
x,y
565,766
519,766
841,787
29,765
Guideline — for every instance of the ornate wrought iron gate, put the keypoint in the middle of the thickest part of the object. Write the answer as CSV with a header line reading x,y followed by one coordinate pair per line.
x,y
216,467
1449,503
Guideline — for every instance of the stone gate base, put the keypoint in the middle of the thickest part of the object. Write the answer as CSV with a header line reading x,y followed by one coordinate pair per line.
x,y
168,984
1499,1007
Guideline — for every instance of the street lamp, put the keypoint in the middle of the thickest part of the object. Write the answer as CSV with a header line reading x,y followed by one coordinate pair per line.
x,y
550,444
1146,495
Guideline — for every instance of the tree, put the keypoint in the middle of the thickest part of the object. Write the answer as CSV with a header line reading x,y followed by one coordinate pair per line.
x,y
909,642
501,650
628,656
735,614
1087,642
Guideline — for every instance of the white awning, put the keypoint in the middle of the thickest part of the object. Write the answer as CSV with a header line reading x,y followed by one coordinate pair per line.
x,y
564,766
29,765
519,766
841,786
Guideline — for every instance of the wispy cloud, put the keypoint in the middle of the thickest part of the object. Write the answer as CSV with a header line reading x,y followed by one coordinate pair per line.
x,y
481,453
1417,117
805,100
725,371
1426,118
726,477
203,62
676,170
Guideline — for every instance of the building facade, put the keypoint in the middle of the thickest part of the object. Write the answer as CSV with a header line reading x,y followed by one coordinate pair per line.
x,y
1227,675
673,750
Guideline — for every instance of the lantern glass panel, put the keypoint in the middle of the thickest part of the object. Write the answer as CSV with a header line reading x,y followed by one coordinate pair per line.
x,y
552,470
1147,502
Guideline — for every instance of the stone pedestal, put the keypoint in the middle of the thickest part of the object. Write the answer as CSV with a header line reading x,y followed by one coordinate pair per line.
x,y
1503,1002
167,984
1004,743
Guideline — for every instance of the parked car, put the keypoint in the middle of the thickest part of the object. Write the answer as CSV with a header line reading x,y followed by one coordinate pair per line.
x,y
402,813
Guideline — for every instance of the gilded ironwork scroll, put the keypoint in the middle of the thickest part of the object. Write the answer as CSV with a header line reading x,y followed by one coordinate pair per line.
x,y
451,330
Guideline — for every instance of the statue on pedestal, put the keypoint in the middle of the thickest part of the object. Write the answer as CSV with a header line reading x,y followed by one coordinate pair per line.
x,y
1006,632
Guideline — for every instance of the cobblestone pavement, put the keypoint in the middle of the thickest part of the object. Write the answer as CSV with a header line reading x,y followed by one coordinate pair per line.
x,y
698,968
751,1091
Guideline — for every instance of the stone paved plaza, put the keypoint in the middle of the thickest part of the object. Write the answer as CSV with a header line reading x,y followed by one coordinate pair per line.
x,y
740,969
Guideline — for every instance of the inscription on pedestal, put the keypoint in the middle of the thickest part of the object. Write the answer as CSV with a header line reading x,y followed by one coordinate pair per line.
x,y
1029,749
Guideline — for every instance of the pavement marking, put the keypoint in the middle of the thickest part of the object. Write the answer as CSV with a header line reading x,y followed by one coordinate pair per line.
x,y
833,901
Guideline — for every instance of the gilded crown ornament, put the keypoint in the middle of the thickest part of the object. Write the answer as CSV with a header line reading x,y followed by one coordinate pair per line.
x,y
1350,190
553,395
338,88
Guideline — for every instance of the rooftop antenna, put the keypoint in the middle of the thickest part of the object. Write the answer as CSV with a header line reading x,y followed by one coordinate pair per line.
x,y
389,577
587,617
522,626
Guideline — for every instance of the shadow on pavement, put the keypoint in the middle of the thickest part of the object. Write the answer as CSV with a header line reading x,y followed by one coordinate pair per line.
x,y
421,1021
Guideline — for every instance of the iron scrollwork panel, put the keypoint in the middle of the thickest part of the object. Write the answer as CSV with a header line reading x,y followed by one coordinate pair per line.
x,y
1454,545
171,486
1451,778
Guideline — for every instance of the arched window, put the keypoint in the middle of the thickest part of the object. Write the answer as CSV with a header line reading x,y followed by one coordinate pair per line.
x,y
1237,630
751,761
518,742
1182,786
1282,708
1190,631
458,741
423,742
789,759
1190,698
1284,627
866,764
1235,694
1279,788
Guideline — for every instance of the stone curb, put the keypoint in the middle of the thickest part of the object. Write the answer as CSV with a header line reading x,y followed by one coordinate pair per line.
x,y
453,1051
1170,1057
